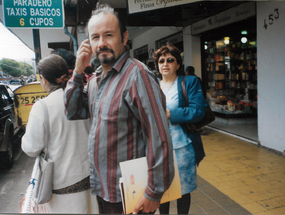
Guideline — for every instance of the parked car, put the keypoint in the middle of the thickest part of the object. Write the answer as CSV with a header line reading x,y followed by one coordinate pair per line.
x,y
15,82
9,132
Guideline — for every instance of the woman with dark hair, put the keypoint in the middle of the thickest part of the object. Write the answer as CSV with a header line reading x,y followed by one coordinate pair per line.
x,y
66,140
188,146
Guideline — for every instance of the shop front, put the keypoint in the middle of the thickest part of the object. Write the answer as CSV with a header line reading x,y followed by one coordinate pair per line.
x,y
229,71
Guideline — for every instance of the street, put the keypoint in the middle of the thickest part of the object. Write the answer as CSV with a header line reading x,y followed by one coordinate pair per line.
x,y
14,182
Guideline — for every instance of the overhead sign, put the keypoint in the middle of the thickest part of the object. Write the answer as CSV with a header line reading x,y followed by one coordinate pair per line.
x,y
236,14
33,13
135,6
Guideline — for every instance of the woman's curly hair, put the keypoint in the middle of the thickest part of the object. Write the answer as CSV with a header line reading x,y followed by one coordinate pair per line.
x,y
171,49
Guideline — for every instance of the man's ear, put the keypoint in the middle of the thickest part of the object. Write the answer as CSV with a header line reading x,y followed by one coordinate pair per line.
x,y
126,37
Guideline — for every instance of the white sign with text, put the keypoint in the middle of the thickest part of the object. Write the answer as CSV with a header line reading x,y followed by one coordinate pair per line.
x,y
136,6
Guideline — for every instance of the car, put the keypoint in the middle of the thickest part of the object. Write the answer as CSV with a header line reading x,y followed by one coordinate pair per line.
x,y
15,82
10,133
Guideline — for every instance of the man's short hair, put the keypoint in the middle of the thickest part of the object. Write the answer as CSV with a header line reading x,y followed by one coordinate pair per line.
x,y
67,56
105,8
190,70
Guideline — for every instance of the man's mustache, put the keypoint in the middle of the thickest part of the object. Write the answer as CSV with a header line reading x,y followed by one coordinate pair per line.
x,y
105,49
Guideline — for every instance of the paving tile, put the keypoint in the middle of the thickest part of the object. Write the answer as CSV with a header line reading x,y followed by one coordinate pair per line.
x,y
238,177
281,200
225,202
270,204
196,209
241,199
250,181
273,193
219,211
231,191
210,205
225,185
278,211
200,197
254,207
257,196
265,213
237,210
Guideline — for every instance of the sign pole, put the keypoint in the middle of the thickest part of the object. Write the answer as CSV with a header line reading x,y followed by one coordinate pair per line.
x,y
37,44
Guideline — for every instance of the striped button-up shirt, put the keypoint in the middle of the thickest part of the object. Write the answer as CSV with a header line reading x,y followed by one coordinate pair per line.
x,y
128,121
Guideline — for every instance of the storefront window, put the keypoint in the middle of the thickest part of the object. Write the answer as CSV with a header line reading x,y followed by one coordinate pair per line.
x,y
230,68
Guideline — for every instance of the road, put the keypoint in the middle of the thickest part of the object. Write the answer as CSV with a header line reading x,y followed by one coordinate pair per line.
x,y
14,182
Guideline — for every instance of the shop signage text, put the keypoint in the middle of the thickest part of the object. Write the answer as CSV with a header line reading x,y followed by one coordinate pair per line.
x,y
227,17
33,13
135,6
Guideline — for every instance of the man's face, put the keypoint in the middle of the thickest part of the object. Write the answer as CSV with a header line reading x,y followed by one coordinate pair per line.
x,y
105,38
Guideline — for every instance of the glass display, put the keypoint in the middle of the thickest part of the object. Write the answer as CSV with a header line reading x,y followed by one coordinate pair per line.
x,y
230,65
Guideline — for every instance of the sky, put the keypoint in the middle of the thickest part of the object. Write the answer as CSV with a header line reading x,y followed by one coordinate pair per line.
x,y
12,47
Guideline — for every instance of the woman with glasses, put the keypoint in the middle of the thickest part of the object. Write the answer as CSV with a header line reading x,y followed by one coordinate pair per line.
x,y
67,142
188,146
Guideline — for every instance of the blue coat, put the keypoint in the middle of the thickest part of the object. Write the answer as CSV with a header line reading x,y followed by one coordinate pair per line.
x,y
193,113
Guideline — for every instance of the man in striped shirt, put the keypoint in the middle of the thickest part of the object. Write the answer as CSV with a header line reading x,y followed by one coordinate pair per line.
x,y
127,112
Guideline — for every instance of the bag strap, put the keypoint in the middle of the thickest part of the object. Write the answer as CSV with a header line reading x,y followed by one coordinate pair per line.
x,y
189,125
47,124
184,91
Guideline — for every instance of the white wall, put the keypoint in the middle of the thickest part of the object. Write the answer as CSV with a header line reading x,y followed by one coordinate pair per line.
x,y
192,51
150,37
271,75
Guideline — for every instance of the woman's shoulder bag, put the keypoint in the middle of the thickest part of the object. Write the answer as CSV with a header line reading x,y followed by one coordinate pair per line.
x,y
207,119
43,187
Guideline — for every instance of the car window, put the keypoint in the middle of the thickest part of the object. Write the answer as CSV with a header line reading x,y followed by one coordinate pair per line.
x,y
11,93
5,97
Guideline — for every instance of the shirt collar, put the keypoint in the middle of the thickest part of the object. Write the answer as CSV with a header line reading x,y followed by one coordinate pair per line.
x,y
121,61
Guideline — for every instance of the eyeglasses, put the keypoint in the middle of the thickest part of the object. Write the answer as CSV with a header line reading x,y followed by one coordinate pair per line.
x,y
168,60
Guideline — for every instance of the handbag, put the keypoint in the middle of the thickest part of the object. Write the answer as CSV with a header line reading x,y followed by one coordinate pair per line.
x,y
43,187
207,119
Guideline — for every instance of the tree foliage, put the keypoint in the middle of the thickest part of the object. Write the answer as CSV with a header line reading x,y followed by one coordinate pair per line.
x,y
14,68
27,68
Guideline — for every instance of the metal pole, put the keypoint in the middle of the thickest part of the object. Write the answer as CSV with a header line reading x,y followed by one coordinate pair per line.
x,y
73,38
37,44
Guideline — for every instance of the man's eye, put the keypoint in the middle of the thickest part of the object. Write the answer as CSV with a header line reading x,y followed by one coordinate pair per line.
x,y
109,35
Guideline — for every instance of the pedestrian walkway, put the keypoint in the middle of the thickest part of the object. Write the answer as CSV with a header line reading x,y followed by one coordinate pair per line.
x,y
238,178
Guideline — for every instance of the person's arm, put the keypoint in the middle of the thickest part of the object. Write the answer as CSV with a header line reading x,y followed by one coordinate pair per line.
x,y
75,101
197,103
148,103
35,135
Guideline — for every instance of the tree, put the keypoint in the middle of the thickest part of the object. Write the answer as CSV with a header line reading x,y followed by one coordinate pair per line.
x,y
26,68
14,68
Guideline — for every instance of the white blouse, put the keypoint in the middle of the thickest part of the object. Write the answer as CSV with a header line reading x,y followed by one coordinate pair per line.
x,y
67,141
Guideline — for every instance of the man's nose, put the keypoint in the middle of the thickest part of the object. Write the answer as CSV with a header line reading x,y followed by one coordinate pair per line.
x,y
102,42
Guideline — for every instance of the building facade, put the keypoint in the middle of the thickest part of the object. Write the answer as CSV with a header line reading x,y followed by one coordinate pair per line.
x,y
249,74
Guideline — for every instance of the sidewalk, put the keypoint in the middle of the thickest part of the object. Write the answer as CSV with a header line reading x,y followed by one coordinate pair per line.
x,y
238,178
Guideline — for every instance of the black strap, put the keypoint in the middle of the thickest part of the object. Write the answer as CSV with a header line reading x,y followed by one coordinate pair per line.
x,y
184,92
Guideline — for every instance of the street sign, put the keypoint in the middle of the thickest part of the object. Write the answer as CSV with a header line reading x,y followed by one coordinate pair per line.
x,y
33,13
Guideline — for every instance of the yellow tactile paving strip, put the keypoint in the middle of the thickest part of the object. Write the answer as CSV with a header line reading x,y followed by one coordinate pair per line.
x,y
252,176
